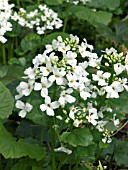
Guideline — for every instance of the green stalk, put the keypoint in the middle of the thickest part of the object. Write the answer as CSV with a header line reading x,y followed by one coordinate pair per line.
x,y
38,2
53,142
18,3
11,48
4,55
62,163
65,24
77,163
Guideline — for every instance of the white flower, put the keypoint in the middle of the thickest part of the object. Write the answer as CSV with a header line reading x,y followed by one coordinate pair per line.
x,y
72,80
63,48
31,72
63,149
72,112
94,62
106,140
92,116
116,121
65,97
118,68
85,94
43,86
49,106
100,125
45,71
101,77
113,89
26,107
84,53
76,123
57,76
25,88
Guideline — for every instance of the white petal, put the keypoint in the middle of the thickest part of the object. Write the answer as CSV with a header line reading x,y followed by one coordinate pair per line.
x,y
44,92
52,78
50,111
47,100
19,104
54,105
37,86
22,113
28,107
26,92
59,81
85,95
71,115
63,149
62,100
23,85
70,99
94,122
69,90
43,107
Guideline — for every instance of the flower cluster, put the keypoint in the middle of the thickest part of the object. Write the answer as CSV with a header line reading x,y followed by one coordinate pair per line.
x,y
70,77
42,18
78,1
5,14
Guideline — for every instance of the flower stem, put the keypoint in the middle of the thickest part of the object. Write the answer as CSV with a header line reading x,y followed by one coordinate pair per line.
x,y
62,163
38,2
65,24
53,142
3,54
77,163
18,3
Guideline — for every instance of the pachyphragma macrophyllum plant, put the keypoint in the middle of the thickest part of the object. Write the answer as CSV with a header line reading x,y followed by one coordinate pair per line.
x,y
71,78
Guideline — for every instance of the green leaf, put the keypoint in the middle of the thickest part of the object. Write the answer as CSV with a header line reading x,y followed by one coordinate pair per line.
x,y
28,129
121,153
122,30
36,115
30,42
106,32
104,4
6,102
10,148
3,71
10,73
78,137
86,151
120,104
93,17
48,39
29,164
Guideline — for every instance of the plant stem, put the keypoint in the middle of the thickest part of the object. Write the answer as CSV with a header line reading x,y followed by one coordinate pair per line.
x,y
18,3
62,163
38,2
53,142
11,49
3,54
98,155
65,24
77,163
